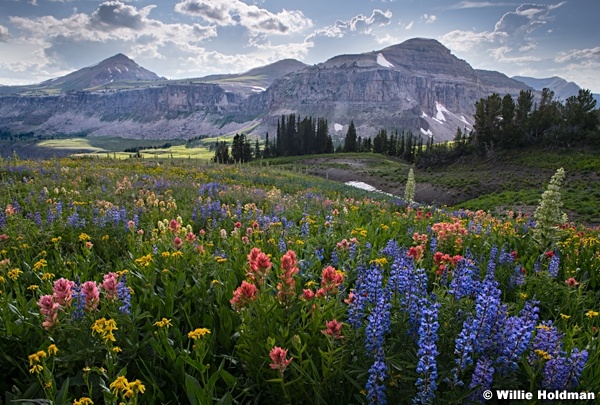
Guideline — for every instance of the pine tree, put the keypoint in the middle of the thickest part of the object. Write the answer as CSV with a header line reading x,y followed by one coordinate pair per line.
x,y
350,140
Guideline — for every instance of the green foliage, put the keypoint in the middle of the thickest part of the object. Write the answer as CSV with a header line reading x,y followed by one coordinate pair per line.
x,y
178,236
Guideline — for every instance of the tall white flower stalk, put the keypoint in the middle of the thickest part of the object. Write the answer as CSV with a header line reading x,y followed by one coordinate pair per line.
x,y
409,191
549,215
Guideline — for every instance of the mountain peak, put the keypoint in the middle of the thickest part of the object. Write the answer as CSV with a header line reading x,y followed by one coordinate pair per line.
x,y
118,58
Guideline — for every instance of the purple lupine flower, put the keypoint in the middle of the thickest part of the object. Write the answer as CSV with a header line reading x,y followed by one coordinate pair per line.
x,y
518,277
282,245
548,339
491,269
78,300
487,307
334,258
553,266
482,377
124,295
377,375
505,256
463,350
433,244
37,217
379,318
516,335
357,306
428,352
464,282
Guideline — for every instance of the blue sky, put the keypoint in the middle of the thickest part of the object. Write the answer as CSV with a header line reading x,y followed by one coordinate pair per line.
x,y
42,39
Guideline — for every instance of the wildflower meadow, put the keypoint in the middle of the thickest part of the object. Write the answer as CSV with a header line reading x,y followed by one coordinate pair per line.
x,y
184,282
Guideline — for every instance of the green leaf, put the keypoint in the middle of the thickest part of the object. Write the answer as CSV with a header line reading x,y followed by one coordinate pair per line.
x,y
62,394
194,391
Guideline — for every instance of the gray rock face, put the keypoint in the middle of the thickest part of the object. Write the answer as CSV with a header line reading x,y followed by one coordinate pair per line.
x,y
165,112
417,85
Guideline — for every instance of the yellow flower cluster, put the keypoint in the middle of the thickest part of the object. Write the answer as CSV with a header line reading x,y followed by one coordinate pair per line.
x,y
38,357
591,314
83,237
83,401
382,261
144,261
543,354
163,323
14,274
198,333
40,264
127,389
105,327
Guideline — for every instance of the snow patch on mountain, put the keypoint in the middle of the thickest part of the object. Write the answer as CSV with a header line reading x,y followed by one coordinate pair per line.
x,y
337,127
382,61
428,132
440,111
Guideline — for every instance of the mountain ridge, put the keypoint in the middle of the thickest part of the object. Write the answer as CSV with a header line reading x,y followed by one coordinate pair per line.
x,y
417,85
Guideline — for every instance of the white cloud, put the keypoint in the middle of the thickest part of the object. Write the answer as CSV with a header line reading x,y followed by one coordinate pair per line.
x,y
428,18
233,12
579,54
465,41
113,25
359,23
510,41
4,35
410,25
479,4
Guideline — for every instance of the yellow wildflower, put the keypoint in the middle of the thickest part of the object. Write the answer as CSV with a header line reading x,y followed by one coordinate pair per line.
x,y
83,401
199,332
56,239
14,274
84,237
144,260
117,349
523,296
136,386
2,280
563,316
179,253
591,314
48,384
39,264
545,327
163,323
105,238
36,369
47,276
119,384
105,327
543,354
52,349
165,254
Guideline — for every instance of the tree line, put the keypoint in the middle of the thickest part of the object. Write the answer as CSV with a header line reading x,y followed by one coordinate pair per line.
x,y
501,123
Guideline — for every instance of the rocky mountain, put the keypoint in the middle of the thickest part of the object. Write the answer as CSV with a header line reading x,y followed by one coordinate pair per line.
x,y
116,69
562,89
417,85
260,77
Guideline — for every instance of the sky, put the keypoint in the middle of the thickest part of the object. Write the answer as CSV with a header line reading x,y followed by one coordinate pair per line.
x,y
43,39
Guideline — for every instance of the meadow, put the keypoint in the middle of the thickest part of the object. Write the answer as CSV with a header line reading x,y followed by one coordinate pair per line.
x,y
138,281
